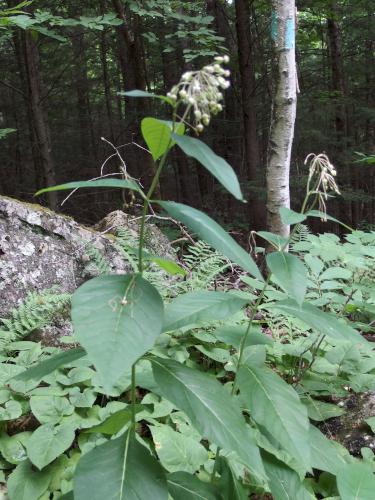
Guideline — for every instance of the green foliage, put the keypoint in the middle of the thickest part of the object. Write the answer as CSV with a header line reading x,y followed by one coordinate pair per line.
x,y
130,470
4,132
210,395
127,312
36,311
211,232
217,166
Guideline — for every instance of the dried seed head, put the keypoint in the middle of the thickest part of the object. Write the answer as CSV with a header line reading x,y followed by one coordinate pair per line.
x,y
323,173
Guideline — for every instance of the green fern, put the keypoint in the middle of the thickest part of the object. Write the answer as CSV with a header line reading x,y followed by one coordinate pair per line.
x,y
97,259
302,233
204,264
37,310
126,244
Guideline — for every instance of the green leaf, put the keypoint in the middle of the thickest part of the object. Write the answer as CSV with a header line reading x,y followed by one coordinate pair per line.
x,y
25,483
323,322
114,423
194,307
323,216
210,231
275,405
216,165
211,409
105,183
284,482
50,409
169,266
184,486
290,217
12,448
143,93
230,486
120,469
371,422
48,442
335,273
157,136
356,482
327,455
320,411
51,364
290,273
233,335
116,319
176,451
275,239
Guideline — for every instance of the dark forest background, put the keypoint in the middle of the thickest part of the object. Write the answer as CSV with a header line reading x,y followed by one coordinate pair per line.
x,y
61,92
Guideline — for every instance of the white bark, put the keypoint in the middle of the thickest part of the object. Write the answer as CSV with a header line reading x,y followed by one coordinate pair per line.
x,y
283,113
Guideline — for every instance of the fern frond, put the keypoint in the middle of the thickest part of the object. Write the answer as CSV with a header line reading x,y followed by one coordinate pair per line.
x,y
97,259
302,233
125,244
37,310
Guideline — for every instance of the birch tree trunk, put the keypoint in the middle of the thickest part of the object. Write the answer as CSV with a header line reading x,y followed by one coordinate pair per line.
x,y
283,113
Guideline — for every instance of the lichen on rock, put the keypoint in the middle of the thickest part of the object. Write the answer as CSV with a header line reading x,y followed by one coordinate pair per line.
x,y
40,249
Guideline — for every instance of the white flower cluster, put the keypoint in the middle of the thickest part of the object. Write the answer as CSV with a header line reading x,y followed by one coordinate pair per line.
x,y
322,169
201,91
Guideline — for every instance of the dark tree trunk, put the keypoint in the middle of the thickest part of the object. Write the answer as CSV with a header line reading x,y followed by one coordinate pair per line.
x,y
134,77
38,115
246,67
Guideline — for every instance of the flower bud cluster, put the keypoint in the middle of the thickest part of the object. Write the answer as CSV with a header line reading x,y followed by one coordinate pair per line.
x,y
201,90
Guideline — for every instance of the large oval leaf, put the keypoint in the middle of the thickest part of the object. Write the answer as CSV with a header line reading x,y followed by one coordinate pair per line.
x,y
327,454
284,482
356,482
116,319
321,321
211,409
157,136
276,406
290,273
194,307
290,217
216,165
120,469
176,451
211,232
48,442
26,483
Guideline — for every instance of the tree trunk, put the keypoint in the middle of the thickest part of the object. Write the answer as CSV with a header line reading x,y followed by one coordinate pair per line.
x,y
86,132
283,113
246,67
134,77
348,212
40,123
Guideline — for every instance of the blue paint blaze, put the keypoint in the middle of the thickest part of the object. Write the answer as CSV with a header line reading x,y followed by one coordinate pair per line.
x,y
290,34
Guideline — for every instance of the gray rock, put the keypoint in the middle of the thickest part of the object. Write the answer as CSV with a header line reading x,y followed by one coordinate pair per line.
x,y
155,241
40,249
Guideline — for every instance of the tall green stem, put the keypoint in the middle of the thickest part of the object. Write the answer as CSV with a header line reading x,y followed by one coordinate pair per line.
x,y
133,398
154,183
